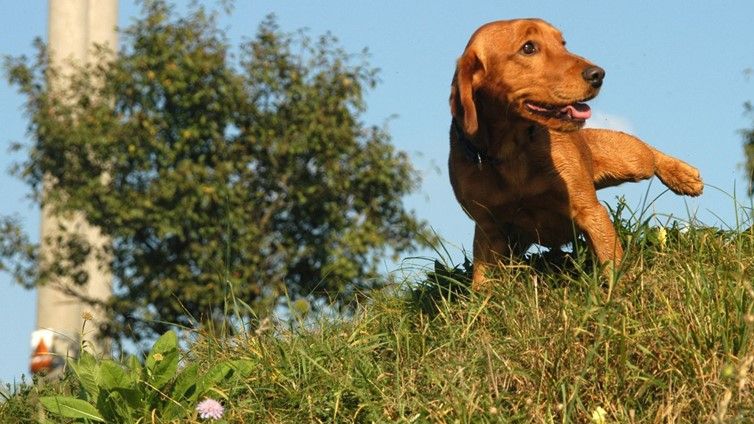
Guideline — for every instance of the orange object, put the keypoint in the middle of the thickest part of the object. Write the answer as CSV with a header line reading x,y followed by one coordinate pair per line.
x,y
42,359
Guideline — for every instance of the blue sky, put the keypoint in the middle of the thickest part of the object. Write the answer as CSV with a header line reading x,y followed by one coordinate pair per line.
x,y
675,78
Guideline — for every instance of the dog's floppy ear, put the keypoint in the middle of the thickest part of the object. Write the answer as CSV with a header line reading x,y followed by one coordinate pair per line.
x,y
462,92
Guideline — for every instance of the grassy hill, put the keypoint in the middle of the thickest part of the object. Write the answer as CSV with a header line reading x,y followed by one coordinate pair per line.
x,y
669,341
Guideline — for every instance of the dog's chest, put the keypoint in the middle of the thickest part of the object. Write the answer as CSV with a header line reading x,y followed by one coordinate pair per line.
x,y
524,173
518,177
533,204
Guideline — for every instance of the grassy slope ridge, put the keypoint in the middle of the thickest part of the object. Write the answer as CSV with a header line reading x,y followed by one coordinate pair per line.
x,y
670,341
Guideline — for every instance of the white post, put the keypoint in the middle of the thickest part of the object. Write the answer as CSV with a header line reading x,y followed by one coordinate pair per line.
x,y
74,27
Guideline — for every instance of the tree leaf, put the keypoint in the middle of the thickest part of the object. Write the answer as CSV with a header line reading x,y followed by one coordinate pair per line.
x,y
258,165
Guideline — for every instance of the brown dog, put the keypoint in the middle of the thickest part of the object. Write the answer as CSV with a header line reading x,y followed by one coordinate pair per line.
x,y
520,164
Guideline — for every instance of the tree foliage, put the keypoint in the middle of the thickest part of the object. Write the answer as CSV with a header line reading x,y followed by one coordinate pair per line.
x,y
213,168
748,135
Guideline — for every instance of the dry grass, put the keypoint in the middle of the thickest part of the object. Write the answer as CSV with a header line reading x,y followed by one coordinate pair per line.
x,y
669,342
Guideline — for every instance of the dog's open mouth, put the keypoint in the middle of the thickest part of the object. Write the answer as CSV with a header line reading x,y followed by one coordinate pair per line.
x,y
572,112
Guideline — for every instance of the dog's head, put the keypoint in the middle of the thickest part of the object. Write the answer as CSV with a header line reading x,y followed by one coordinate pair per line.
x,y
521,69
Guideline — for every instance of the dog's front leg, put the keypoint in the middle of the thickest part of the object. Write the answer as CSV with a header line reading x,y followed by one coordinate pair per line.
x,y
598,229
619,157
490,245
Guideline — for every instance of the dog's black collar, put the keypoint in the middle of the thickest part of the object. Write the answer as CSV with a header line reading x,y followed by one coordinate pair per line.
x,y
474,155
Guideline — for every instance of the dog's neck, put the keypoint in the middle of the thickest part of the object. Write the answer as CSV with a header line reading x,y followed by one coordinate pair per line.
x,y
496,143
473,152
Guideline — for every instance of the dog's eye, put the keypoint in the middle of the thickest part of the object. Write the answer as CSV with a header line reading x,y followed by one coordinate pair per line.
x,y
529,48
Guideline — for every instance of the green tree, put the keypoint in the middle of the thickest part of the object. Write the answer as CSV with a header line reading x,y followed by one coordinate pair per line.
x,y
748,135
213,168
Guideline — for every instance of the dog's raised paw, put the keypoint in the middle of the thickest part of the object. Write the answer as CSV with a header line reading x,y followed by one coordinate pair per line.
x,y
681,178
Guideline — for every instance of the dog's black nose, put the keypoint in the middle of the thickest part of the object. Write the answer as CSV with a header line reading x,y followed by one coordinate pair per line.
x,y
594,76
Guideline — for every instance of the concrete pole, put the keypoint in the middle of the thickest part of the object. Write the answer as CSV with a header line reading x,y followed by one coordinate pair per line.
x,y
74,27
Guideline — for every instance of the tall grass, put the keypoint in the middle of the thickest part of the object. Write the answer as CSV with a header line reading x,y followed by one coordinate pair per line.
x,y
669,341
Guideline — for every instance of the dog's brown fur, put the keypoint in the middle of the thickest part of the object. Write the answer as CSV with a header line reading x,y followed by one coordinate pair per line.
x,y
527,176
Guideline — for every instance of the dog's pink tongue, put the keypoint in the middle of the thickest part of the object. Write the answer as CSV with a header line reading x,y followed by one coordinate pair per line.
x,y
578,111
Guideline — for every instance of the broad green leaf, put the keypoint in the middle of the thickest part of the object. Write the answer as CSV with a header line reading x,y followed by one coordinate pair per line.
x,y
86,369
242,367
185,381
162,361
112,376
134,367
184,391
166,342
172,411
71,408
131,396
164,369
117,407
215,374
221,371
